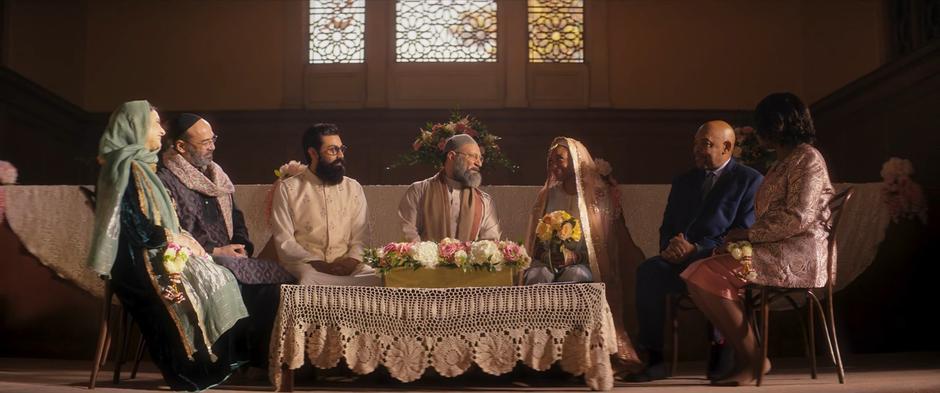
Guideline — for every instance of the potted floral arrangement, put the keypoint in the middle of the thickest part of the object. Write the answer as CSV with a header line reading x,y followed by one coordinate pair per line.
x,y
449,263
428,147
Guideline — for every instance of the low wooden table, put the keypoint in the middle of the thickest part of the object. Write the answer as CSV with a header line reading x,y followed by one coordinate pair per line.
x,y
408,330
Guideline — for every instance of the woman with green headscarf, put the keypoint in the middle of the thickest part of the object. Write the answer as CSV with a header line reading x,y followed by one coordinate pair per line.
x,y
190,312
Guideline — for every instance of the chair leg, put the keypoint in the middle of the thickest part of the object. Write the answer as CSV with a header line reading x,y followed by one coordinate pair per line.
x,y
121,354
104,337
835,341
810,321
140,355
765,328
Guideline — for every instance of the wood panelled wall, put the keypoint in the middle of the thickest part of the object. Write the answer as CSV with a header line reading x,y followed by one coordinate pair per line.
x,y
892,112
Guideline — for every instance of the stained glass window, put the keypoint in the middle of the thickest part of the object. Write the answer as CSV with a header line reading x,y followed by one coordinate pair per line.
x,y
445,31
556,31
337,31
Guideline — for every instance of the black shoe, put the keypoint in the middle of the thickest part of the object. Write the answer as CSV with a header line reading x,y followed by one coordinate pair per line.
x,y
720,361
652,372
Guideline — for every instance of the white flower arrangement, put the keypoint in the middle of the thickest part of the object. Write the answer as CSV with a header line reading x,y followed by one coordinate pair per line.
x,y
290,169
449,253
174,261
485,252
425,253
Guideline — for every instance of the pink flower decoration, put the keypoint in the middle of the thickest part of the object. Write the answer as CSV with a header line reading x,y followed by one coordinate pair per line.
x,y
511,251
440,145
8,173
390,248
417,145
2,204
447,250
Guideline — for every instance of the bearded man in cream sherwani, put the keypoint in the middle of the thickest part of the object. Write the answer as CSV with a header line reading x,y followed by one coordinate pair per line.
x,y
450,204
319,217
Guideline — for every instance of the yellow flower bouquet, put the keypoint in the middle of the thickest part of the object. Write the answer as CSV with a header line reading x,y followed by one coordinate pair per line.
x,y
557,231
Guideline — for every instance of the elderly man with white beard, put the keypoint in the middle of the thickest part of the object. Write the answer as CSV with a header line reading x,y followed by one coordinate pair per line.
x,y
450,204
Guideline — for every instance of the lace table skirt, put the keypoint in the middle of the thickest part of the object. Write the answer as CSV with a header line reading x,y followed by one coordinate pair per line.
x,y
408,330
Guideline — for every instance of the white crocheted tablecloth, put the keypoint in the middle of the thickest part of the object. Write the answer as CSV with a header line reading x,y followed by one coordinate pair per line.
x,y
408,330
55,224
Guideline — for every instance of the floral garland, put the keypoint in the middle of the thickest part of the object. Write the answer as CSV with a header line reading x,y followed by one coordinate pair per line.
x,y
748,151
744,252
428,148
174,261
485,255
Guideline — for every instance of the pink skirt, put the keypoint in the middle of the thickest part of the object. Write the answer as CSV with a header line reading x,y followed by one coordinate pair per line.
x,y
717,275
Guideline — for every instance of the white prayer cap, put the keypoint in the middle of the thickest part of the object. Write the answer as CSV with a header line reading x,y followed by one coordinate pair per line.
x,y
456,141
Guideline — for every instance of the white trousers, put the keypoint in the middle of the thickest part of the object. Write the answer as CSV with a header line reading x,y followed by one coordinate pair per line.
x,y
364,276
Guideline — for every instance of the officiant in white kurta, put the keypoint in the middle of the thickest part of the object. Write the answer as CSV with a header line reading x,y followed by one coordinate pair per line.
x,y
319,217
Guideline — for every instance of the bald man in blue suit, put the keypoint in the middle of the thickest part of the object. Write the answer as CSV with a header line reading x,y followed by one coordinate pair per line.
x,y
704,204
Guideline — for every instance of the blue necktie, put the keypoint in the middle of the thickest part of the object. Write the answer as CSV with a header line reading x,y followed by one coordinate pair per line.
x,y
709,183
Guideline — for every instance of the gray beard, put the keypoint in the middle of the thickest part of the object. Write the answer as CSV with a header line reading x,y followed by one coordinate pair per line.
x,y
200,163
467,177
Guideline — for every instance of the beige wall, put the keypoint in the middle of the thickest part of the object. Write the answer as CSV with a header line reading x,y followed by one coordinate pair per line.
x,y
248,54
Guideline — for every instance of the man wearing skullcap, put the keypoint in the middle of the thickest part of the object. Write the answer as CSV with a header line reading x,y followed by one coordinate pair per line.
x,y
450,204
205,203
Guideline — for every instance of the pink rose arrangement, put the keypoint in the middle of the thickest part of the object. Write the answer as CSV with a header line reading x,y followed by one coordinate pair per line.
x,y
8,173
901,194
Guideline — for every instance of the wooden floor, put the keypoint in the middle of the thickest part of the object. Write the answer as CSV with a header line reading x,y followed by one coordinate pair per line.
x,y
908,372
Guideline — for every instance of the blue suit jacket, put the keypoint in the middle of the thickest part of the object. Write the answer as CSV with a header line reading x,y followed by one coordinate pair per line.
x,y
729,205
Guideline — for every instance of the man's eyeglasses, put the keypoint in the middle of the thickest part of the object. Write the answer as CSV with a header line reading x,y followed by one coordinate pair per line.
x,y
335,150
475,157
206,142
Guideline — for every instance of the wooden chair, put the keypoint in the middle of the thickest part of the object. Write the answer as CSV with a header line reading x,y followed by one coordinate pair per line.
x,y
766,295
123,329
676,303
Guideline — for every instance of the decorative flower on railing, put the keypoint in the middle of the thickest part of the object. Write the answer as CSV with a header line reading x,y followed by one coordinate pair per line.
x,y
901,194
